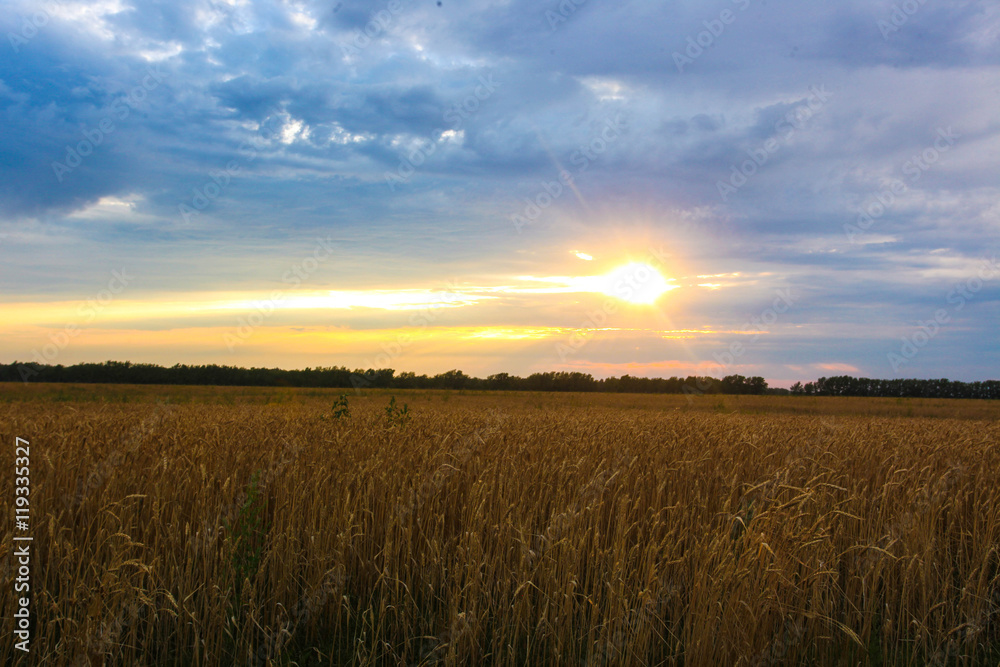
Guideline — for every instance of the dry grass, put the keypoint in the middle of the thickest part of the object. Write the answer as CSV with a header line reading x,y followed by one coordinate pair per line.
x,y
511,529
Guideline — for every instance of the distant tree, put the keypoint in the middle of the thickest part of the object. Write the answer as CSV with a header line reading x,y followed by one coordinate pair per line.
x,y
130,373
453,379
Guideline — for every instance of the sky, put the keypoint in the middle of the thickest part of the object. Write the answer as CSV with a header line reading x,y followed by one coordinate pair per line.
x,y
772,188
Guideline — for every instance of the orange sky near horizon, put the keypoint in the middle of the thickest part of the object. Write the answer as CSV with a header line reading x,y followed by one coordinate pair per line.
x,y
507,325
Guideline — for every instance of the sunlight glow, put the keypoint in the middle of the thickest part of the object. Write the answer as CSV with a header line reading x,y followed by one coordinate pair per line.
x,y
638,283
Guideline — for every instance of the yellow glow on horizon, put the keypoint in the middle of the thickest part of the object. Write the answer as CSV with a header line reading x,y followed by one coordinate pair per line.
x,y
509,333
635,283
377,299
124,309
319,339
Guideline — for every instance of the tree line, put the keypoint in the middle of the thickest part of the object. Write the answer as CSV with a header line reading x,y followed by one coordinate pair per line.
x,y
124,372
845,385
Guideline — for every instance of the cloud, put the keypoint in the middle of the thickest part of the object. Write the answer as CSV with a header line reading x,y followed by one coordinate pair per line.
x,y
288,120
839,368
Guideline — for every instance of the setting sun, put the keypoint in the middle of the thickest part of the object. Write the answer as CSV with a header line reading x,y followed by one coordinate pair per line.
x,y
638,283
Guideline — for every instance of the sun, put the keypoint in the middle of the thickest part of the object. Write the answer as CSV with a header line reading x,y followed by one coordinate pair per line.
x,y
638,283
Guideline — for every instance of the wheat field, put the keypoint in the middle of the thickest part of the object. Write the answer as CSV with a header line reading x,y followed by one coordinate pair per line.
x,y
203,526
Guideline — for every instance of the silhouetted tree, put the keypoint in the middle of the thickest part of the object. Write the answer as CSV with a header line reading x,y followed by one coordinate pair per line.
x,y
125,372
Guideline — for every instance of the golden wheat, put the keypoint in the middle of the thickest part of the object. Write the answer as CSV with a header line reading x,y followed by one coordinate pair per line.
x,y
203,527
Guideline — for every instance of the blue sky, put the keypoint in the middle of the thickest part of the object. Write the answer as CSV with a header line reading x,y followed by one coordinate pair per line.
x,y
429,186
